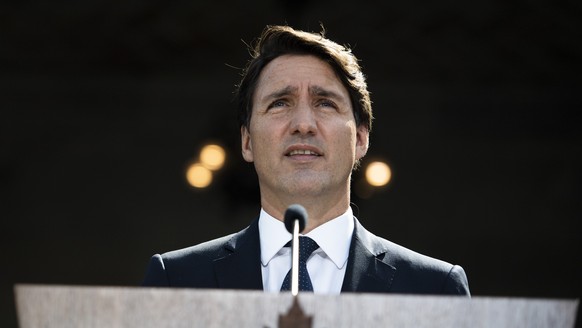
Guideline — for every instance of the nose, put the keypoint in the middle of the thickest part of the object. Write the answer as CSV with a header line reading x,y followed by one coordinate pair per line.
x,y
303,121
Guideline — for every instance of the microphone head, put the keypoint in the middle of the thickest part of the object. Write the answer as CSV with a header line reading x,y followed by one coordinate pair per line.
x,y
295,212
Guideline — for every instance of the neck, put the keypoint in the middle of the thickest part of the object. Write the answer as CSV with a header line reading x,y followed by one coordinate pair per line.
x,y
319,209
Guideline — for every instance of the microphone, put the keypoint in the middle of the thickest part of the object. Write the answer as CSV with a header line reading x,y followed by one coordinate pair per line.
x,y
295,212
295,222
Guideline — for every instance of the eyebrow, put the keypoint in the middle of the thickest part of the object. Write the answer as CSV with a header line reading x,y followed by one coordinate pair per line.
x,y
280,93
313,90
322,92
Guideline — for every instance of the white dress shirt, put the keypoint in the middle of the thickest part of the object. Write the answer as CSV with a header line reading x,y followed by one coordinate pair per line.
x,y
327,264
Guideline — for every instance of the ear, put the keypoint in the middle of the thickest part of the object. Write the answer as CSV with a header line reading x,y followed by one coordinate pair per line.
x,y
362,139
246,144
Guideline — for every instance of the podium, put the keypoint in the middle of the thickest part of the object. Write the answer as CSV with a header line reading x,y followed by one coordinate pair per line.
x,y
78,306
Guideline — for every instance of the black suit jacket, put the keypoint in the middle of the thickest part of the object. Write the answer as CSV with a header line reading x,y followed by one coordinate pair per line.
x,y
375,265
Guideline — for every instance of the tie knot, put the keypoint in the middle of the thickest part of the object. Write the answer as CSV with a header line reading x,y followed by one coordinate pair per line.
x,y
306,247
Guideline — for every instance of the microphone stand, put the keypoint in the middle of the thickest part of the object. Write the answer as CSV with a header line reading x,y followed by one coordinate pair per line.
x,y
295,318
295,259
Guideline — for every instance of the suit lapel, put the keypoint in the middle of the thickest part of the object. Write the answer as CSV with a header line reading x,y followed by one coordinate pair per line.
x,y
366,272
241,267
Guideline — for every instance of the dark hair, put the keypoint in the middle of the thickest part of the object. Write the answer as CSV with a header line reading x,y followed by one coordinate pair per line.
x,y
280,40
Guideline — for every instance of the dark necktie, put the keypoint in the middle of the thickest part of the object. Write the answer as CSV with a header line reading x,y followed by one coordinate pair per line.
x,y
306,247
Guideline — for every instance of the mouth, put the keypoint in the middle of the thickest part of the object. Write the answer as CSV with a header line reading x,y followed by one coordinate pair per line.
x,y
303,150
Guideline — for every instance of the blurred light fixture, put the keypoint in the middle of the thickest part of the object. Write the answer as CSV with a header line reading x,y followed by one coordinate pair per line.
x,y
198,176
378,174
212,157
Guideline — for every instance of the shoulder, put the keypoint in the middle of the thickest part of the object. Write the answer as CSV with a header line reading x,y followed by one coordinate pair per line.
x,y
415,272
193,266
186,267
394,254
213,249
208,250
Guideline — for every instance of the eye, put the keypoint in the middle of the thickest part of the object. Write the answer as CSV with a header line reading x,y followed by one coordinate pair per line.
x,y
277,103
326,103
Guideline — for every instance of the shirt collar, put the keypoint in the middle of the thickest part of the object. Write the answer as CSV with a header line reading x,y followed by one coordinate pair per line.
x,y
333,237
273,236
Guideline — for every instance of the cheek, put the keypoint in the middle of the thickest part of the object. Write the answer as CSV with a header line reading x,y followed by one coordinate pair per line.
x,y
261,142
349,136
267,130
344,145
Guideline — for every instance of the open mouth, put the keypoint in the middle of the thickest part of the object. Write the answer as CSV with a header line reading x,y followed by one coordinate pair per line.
x,y
302,152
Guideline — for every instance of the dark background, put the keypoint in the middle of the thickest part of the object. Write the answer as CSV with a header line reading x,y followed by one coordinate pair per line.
x,y
104,104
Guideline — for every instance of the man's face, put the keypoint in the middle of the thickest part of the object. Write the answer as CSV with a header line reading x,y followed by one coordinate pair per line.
x,y
302,137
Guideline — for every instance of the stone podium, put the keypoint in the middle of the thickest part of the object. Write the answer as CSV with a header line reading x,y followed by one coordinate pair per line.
x,y
78,306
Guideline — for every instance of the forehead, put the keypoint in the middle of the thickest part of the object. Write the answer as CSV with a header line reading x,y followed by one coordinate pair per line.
x,y
297,71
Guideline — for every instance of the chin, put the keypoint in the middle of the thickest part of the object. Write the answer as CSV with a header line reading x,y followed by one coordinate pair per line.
x,y
306,187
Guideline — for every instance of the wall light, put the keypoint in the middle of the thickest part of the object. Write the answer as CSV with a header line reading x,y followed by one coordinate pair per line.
x,y
198,176
212,157
378,174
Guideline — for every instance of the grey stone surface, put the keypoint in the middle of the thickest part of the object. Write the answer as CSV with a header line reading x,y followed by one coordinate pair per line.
x,y
75,306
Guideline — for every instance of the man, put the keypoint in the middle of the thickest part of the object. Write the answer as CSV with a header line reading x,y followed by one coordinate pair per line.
x,y
305,117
